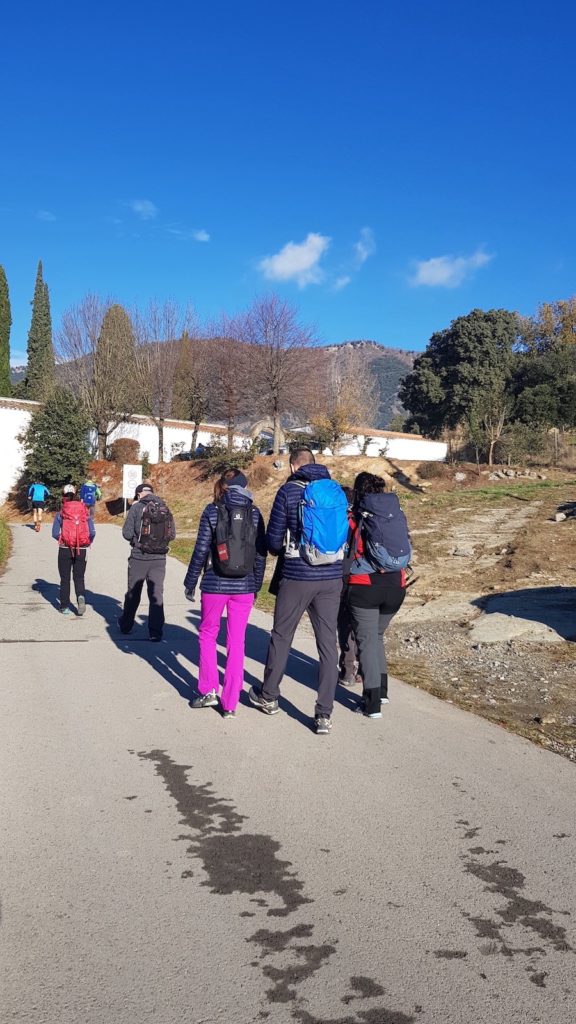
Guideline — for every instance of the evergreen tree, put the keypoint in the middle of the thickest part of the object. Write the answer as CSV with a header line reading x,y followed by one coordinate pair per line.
x,y
5,323
40,373
56,442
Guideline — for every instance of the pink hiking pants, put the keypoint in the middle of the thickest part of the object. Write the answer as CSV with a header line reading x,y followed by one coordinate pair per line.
x,y
238,608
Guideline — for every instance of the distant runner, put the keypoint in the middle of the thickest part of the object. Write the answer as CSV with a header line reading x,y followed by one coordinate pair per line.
x,y
37,494
90,493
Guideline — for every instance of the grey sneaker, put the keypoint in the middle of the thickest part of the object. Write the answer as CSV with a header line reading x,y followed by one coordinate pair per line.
x,y
81,605
269,707
228,714
66,611
206,700
360,709
349,681
322,725
384,700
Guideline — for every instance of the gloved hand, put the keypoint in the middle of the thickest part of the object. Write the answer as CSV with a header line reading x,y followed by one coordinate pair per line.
x,y
189,595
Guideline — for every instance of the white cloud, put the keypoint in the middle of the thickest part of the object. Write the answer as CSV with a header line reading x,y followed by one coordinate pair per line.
x,y
297,261
365,246
341,282
144,208
186,235
448,271
46,215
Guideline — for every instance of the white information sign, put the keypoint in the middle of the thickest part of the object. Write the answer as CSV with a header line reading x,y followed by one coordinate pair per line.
x,y
131,477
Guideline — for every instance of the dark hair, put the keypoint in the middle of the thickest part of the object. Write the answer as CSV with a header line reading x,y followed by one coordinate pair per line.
x,y
69,497
302,456
221,484
367,483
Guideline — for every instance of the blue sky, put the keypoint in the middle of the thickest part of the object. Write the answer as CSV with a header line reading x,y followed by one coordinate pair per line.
x,y
385,170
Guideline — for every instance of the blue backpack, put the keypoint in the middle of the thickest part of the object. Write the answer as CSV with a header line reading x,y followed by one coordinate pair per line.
x,y
88,494
385,532
323,519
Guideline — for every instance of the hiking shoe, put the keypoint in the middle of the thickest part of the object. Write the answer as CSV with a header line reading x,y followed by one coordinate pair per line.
x,y
206,700
66,611
322,725
81,605
269,707
384,700
360,709
350,681
228,714
37,527
124,632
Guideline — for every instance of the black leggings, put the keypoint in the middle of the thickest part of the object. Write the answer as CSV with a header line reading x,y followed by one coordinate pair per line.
x,y
75,562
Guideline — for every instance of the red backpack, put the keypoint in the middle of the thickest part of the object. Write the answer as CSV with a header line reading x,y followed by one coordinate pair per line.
x,y
75,533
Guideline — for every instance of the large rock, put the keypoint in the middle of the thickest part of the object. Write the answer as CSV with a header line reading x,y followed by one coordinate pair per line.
x,y
460,477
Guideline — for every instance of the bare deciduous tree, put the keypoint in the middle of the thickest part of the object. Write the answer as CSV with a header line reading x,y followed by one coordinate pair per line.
x,y
191,395
96,350
159,328
279,363
347,394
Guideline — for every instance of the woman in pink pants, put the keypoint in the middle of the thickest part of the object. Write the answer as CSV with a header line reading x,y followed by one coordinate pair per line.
x,y
230,554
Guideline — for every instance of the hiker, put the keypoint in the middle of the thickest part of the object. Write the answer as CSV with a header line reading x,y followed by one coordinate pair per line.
x,y
348,663
379,553
74,531
149,528
37,494
230,551
90,493
307,529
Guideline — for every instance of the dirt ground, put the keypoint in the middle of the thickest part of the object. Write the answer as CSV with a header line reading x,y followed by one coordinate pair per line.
x,y
489,622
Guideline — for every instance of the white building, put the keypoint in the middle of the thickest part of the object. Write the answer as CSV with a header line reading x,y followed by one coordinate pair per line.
x,y
392,445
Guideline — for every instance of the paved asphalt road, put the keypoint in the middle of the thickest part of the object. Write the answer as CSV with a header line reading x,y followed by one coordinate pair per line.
x,y
162,864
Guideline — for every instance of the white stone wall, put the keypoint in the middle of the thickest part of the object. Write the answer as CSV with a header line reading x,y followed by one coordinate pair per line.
x,y
400,448
13,421
146,433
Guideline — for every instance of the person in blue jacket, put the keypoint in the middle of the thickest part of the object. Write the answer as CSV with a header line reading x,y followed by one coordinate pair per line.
x,y
74,531
219,592
316,589
37,494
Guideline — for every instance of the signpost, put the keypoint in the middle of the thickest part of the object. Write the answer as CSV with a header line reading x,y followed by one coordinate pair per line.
x,y
131,477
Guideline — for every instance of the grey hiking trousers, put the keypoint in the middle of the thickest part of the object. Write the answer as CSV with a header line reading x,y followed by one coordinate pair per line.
x,y
322,601
150,570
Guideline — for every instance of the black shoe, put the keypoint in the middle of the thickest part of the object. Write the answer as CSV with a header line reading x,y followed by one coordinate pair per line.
x,y
124,631
322,725
155,639
269,707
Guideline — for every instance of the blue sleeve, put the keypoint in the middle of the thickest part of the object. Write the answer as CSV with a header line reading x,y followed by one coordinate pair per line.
x,y
91,529
30,490
57,526
201,550
278,524
261,551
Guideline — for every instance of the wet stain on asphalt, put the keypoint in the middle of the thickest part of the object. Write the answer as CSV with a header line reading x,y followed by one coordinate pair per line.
x,y
363,988
450,954
234,861
499,878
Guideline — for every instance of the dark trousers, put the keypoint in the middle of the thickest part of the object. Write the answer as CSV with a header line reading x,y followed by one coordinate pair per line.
x,y
346,641
152,572
372,609
321,600
71,562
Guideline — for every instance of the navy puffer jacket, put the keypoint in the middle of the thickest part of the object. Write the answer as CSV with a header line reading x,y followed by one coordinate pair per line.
x,y
284,520
211,582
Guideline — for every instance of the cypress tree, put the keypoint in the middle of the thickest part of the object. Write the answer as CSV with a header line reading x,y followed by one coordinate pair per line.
x,y
40,373
5,323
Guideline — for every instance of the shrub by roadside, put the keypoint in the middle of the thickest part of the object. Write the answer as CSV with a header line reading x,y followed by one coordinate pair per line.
x,y
5,543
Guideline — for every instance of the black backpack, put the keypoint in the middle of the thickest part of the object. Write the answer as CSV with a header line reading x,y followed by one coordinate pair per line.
x,y
157,528
234,548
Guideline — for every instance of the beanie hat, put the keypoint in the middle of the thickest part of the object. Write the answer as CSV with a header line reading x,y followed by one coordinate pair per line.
x,y
239,480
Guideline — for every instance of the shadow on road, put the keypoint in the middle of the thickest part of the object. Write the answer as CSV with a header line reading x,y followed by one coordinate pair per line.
x,y
554,607
182,642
